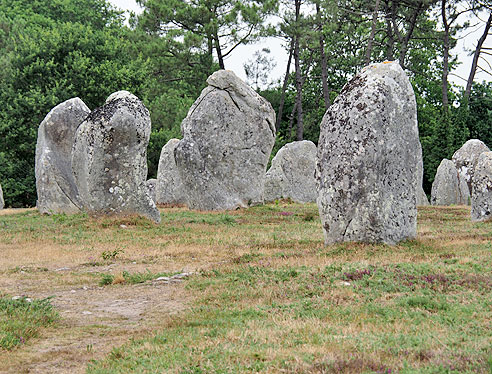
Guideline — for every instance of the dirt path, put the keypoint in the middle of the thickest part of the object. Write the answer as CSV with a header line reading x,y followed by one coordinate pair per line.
x,y
93,321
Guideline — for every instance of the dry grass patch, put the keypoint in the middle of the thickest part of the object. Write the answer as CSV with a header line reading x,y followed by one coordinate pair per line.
x,y
267,296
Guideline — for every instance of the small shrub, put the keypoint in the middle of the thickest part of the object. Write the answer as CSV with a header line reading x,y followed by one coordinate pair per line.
x,y
106,279
309,216
111,255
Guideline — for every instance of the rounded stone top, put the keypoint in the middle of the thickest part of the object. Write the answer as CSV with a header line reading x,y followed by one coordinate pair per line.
x,y
385,65
470,150
226,79
121,95
73,104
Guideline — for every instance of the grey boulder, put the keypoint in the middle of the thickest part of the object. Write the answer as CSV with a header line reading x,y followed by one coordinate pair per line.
x,y
482,188
291,174
170,188
55,184
466,158
151,187
367,161
109,159
228,136
449,186
2,202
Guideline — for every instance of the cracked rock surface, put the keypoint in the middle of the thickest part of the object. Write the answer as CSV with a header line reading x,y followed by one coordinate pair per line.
x,y
109,159
367,161
292,173
449,186
482,188
55,184
228,136
169,189
465,159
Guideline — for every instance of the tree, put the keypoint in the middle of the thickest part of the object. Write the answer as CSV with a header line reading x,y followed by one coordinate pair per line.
x,y
476,56
209,25
258,69
48,55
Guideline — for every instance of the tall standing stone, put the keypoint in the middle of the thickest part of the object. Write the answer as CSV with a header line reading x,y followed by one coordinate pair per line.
x,y
2,202
482,188
109,158
228,136
292,173
449,186
367,159
465,159
55,185
170,188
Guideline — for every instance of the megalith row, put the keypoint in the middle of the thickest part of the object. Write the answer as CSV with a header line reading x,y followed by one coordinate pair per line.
x,y
95,161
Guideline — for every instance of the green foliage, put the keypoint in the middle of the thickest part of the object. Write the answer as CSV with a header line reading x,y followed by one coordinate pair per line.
x,y
22,319
106,279
111,255
131,278
479,119
48,55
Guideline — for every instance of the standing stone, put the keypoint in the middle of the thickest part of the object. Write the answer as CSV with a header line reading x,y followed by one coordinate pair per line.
x,y
292,173
367,162
466,158
55,184
228,136
109,158
2,203
151,186
170,188
449,186
482,188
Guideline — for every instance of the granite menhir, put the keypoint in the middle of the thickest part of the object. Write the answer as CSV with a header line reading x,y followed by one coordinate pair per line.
x,y
367,163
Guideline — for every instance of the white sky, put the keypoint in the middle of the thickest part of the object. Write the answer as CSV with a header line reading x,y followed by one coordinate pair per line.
x,y
243,53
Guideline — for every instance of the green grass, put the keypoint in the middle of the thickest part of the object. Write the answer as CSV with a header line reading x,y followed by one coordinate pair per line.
x,y
268,296
292,305
131,278
21,320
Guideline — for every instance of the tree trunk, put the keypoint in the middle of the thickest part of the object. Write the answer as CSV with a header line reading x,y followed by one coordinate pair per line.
x,y
291,120
408,36
445,66
284,86
373,32
390,37
324,70
218,50
476,56
300,126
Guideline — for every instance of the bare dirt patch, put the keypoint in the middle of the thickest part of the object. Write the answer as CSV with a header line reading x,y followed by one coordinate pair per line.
x,y
93,320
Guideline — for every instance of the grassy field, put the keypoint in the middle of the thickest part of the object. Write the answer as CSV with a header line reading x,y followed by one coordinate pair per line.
x,y
265,294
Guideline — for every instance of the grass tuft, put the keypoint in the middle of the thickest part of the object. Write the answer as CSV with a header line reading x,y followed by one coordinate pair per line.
x,y
22,319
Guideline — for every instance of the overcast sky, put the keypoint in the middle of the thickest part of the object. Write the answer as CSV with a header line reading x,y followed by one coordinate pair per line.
x,y
244,53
